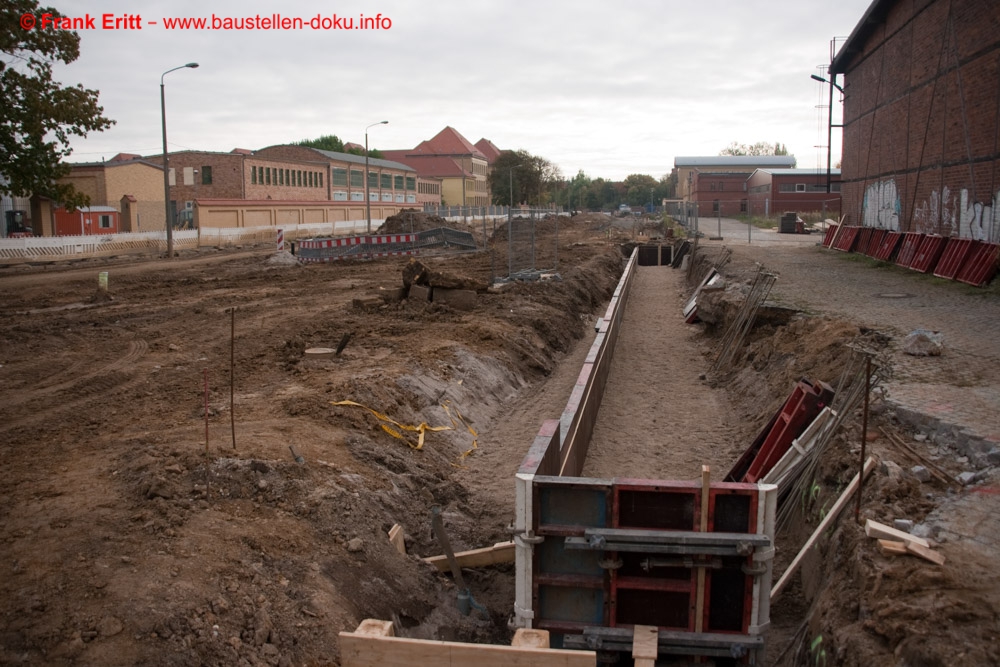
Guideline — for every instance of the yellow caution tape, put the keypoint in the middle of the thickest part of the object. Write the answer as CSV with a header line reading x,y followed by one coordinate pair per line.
x,y
475,436
419,429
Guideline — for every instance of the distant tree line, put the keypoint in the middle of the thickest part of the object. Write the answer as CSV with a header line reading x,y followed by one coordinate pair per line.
x,y
331,142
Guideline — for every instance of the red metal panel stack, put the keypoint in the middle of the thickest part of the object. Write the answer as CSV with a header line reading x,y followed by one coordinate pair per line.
x,y
908,248
981,265
846,240
831,232
874,242
928,253
887,246
953,258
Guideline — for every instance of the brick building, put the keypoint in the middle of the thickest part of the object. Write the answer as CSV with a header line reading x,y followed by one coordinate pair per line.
x,y
462,169
685,167
921,106
107,183
775,191
719,192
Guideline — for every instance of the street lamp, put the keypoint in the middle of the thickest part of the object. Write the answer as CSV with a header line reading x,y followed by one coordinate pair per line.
x,y
368,200
166,170
829,124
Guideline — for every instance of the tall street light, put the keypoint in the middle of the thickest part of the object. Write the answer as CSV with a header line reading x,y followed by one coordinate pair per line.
x,y
368,197
829,124
166,170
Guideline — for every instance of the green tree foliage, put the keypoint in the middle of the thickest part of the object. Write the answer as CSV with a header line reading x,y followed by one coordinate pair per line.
x,y
333,143
757,149
37,114
583,193
529,178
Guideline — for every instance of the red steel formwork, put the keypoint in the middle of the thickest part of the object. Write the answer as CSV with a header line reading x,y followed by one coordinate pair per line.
x,y
981,265
887,246
846,239
956,251
356,247
928,253
831,232
874,242
864,237
908,248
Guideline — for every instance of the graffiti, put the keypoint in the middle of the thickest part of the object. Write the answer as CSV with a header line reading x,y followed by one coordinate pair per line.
x,y
881,206
955,214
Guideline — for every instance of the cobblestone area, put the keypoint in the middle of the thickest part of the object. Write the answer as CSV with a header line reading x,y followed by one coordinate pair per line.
x,y
955,397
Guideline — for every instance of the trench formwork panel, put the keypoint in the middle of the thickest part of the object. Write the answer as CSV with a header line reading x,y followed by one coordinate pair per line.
x,y
597,557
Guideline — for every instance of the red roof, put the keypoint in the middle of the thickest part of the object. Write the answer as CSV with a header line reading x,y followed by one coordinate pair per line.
x,y
489,149
242,151
350,145
124,157
447,142
436,166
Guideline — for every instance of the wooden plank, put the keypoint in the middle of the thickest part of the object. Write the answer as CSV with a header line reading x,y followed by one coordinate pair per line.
x,y
530,638
891,547
827,520
699,593
372,627
501,552
358,650
396,538
645,645
880,530
925,553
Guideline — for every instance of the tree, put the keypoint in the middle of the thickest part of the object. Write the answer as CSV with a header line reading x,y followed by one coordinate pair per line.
x,y
531,177
757,149
333,143
327,142
38,115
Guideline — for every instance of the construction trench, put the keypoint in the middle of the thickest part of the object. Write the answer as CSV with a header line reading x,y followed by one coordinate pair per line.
x,y
169,525
625,547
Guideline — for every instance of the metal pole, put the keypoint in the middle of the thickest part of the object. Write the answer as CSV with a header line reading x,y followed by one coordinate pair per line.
x,y
829,154
864,435
232,373
368,197
166,170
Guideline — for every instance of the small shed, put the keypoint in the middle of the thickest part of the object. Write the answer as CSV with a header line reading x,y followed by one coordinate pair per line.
x,y
87,221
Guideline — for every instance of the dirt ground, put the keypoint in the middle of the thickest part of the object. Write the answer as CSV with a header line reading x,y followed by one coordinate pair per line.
x,y
125,540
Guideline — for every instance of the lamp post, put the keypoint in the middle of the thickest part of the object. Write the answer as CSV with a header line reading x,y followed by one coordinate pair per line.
x,y
368,197
829,124
166,170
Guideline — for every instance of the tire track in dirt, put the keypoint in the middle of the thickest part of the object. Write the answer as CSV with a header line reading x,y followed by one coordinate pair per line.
x,y
79,390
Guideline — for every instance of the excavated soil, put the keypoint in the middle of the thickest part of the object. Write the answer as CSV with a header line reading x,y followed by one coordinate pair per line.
x,y
134,533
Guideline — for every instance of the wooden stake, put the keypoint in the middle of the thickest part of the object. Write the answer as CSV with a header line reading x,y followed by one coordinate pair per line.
x,y
206,411
232,373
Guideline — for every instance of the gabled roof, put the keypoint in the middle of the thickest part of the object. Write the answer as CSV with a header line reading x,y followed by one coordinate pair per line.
x,y
438,166
736,161
125,157
487,148
242,151
447,142
350,145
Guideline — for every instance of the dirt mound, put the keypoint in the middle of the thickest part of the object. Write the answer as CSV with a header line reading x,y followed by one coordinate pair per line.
x,y
411,220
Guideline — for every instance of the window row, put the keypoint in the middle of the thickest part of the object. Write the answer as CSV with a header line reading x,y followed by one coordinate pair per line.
x,y
382,181
290,177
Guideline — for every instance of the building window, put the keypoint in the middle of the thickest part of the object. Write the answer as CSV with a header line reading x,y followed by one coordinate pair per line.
x,y
339,195
321,179
387,181
411,183
722,186
357,178
372,179
339,176
310,183
281,177
800,187
715,206
397,182
743,206
253,175
206,175
105,222
267,174
835,187
298,177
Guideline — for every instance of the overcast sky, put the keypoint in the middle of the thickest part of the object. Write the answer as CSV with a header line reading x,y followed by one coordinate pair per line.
x,y
612,88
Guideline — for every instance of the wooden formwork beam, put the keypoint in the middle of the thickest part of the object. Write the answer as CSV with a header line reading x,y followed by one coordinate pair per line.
x,y
373,645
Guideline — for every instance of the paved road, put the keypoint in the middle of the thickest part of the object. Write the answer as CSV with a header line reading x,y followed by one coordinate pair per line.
x,y
957,393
